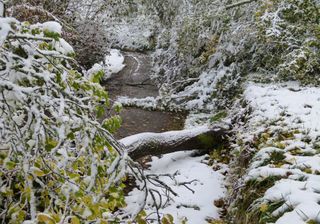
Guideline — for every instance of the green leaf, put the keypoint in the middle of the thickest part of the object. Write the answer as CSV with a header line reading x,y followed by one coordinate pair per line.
x,y
75,220
219,116
71,136
51,34
100,111
96,78
167,219
42,217
10,165
50,144
37,172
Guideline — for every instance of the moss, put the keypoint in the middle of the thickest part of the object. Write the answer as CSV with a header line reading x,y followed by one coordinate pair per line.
x,y
206,140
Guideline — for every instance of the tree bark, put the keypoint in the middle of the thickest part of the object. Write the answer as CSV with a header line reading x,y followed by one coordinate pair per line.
x,y
203,139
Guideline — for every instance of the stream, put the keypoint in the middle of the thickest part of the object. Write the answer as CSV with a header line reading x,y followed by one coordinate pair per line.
x,y
193,203
134,81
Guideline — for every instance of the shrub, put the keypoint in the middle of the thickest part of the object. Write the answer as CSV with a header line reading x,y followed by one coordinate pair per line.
x,y
58,164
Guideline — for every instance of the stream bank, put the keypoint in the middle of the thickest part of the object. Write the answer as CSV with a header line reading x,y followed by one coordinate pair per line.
x,y
197,185
134,81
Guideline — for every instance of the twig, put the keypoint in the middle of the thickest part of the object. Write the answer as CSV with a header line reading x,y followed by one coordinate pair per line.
x,y
239,4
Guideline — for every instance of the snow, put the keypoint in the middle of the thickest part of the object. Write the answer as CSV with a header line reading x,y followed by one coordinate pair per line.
x,y
114,61
95,69
200,92
197,119
113,64
52,26
196,206
167,136
1,9
301,105
5,28
287,107
134,34
150,103
64,47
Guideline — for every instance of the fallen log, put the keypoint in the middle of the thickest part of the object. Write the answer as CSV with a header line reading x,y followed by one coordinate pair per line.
x,y
202,138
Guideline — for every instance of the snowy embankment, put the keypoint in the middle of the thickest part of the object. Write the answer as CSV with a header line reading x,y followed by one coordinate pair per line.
x,y
196,183
197,186
285,129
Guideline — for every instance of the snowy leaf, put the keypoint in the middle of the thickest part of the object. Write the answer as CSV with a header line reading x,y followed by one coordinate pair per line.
x,y
43,217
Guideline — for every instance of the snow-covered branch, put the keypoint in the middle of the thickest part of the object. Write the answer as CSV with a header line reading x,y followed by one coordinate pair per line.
x,y
154,144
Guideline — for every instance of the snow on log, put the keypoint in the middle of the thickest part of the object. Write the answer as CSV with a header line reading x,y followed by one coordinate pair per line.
x,y
202,138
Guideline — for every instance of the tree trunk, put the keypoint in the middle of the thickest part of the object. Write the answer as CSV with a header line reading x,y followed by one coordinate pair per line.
x,y
203,139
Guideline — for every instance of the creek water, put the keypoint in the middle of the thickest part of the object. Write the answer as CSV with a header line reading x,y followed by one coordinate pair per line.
x,y
134,81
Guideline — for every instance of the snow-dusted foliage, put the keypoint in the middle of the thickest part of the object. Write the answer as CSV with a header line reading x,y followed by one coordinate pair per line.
x,y
290,34
81,28
58,163
281,184
200,40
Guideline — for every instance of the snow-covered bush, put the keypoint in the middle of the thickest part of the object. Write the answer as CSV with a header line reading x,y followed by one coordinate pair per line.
x,y
58,164
86,34
290,35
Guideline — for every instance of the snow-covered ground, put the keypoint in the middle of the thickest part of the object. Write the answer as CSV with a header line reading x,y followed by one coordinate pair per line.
x,y
195,204
287,118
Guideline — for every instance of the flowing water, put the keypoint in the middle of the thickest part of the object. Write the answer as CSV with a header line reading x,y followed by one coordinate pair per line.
x,y
134,81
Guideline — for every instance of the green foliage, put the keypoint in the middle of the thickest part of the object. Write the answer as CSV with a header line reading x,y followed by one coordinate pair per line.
x,y
167,219
244,211
59,164
311,221
219,116
112,124
276,158
97,77
51,34
266,210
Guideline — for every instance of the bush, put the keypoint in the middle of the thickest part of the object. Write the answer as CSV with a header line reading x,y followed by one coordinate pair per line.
x,y
58,164
87,35
292,28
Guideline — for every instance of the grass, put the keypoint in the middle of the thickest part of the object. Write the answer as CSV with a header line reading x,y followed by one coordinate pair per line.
x,y
253,190
219,116
246,209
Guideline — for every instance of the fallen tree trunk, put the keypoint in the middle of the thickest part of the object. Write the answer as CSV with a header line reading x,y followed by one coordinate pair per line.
x,y
155,144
